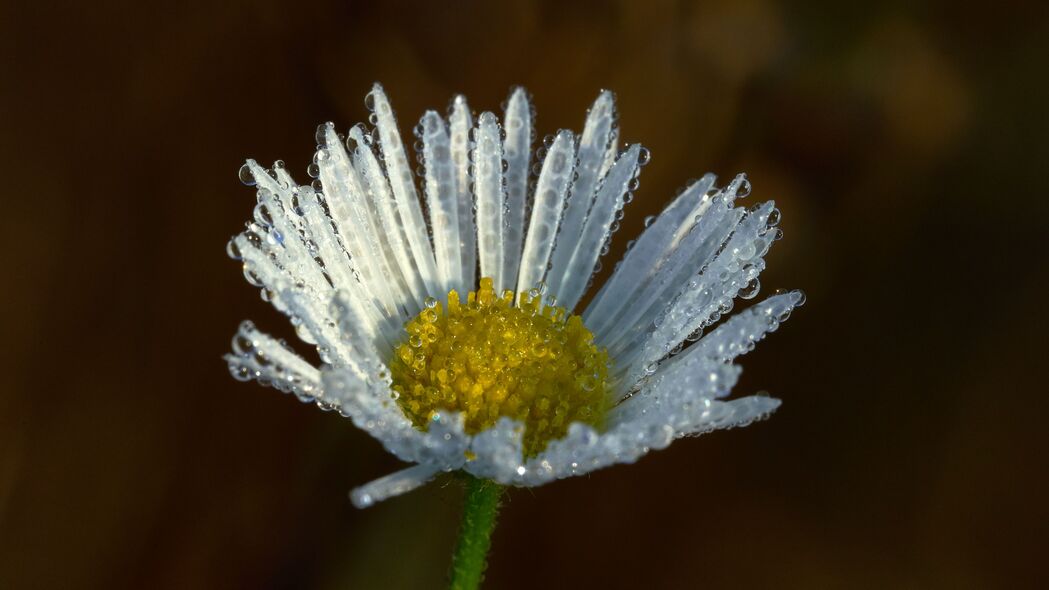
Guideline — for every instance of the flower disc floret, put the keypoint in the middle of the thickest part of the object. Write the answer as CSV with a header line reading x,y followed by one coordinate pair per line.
x,y
490,358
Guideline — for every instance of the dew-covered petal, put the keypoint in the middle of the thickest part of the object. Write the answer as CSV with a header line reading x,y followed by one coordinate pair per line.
x,y
714,415
550,192
292,245
399,174
739,334
442,198
260,357
704,299
498,452
648,254
285,237
597,229
369,402
517,149
357,229
592,153
611,152
491,199
460,123
393,232
648,421
377,312
694,252
326,246
368,344
311,317
394,484
670,394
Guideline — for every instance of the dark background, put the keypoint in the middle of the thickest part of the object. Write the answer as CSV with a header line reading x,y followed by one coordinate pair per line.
x,y
904,142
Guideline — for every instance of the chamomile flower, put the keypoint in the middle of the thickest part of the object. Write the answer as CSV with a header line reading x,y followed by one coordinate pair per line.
x,y
448,326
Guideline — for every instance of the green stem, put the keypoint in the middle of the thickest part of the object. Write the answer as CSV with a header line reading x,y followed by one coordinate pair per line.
x,y
475,533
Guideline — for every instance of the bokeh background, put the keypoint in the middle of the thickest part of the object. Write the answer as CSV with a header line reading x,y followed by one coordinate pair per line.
x,y
904,142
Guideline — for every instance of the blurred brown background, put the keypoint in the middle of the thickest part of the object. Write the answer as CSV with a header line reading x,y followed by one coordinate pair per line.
x,y
904,142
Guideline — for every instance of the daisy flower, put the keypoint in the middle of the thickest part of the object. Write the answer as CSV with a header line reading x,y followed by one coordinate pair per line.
x,y
444,304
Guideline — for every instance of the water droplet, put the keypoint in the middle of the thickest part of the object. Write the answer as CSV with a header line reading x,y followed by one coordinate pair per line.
x,y
251,277
322,133
744,187
774,217
643,156
246,176
242,344
240,372
750,290
262,215
232,250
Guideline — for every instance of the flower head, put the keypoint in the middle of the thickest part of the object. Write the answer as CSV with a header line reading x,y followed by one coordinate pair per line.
x,y
452,336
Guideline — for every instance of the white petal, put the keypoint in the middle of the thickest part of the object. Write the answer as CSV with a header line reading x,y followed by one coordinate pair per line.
x,y
648,254
694,252
369,344
282,232
442,198
341,270
673,407
400,176
311,317
498,452
717,415
358,230
598,228
610,152
645,423
369,402
336,264
671,392
393,231
550,192
517,152
265,359
491,199
687,399
704,299
394,484
460,124
292,245
262,270
739,334
593,146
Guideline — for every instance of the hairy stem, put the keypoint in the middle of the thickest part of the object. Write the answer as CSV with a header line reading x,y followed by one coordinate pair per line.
x,y
480,509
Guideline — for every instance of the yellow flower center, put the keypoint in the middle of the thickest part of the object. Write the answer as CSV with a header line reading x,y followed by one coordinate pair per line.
x,y
489,358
